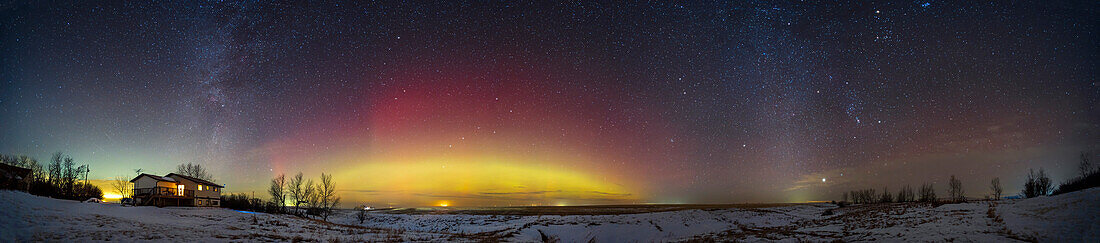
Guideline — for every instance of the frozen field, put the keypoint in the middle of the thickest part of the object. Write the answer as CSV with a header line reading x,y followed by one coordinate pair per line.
x,y
1070,217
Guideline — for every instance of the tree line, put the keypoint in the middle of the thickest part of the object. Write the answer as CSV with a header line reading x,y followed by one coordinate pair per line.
x,y
906,194
305,196
1037,184
61,178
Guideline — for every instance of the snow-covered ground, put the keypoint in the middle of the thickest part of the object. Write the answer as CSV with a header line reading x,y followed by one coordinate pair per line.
x,y
24,217
1066,218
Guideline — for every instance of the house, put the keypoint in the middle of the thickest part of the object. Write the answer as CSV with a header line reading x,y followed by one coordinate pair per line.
x,y
175,190
14,177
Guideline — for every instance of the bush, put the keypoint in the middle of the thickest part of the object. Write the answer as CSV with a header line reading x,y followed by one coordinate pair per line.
x,y
1089,178
87,191
906,194
1037,184
955,189
995,187
1079,183
927,193
886,196
864,196
241,201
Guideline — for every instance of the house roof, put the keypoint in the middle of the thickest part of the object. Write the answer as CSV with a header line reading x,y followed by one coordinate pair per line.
x,y
159,178
196,180
11,171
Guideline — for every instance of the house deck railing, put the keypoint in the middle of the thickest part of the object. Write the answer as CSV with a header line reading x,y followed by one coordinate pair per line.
x,y
164,191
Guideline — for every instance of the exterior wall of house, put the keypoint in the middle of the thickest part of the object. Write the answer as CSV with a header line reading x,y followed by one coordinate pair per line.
x,y
208,192
187,184
205,197
148,182
208,196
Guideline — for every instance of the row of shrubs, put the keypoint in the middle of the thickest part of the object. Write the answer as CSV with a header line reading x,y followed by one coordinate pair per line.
x,y
1089,177
906,194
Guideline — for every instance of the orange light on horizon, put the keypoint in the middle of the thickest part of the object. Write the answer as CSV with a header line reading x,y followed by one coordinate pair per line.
x,y
444,203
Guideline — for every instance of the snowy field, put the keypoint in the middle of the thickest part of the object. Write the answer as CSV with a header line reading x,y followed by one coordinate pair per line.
x,y
1066,218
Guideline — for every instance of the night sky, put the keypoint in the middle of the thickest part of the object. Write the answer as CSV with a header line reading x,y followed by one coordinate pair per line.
x,y
412,104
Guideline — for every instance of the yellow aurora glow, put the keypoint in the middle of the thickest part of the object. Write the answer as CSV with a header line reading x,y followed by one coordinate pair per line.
x,y
429,182
417,145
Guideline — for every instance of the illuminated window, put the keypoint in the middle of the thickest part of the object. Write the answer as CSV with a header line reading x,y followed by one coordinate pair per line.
x,y
200,187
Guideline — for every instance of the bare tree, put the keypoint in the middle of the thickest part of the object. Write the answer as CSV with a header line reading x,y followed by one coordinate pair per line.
x,y
278,193
8,159
864,196
24,162
1044,185
906,194
995,186
1030,189
326,194
68,178
53,170
955,190
927,193
869,195
1085,167
1037,184
309,191
36,169
194,170
886,197
296,192
122,186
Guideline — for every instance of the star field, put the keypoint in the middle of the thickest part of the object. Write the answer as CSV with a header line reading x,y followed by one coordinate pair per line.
x,y
660,102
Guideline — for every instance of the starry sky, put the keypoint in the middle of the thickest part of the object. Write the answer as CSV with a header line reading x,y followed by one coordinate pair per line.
x,y
515,103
